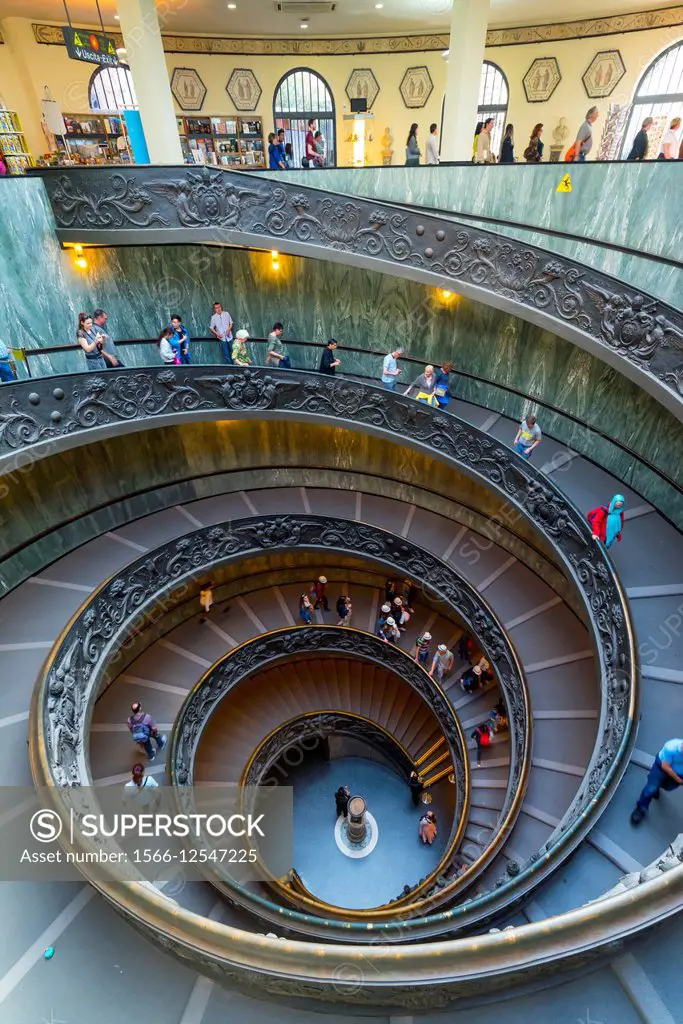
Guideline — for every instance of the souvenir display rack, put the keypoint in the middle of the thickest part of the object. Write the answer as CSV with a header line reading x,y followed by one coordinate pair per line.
x,y
13,143
224,140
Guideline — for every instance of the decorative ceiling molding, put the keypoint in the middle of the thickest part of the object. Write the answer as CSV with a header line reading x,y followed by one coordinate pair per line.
x,y
588,28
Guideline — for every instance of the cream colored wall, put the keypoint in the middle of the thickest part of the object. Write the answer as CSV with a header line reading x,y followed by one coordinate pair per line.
x,y
68,81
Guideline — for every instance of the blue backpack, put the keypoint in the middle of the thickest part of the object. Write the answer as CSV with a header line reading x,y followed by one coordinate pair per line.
x,y
141,732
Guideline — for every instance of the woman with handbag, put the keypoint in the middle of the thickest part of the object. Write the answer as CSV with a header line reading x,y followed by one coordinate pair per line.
x,y
442,392
533,154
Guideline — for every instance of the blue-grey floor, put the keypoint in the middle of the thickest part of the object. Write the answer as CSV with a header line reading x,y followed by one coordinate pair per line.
x,y
399,857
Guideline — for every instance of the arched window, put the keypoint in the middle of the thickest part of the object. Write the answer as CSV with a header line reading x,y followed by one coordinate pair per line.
x,y
659,94
301,95
112,89
493,102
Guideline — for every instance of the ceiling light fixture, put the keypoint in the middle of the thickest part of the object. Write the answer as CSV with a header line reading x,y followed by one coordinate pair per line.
x,y
304,24
116,17
231,7
378,7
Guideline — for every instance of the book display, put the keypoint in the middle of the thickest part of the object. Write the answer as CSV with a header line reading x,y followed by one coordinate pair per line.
x,y
222,140
13,143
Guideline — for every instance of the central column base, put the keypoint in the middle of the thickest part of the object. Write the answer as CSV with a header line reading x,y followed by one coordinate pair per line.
x,y
357,825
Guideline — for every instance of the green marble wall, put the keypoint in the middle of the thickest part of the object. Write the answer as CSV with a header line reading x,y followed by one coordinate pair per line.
x,y
315,299
635,205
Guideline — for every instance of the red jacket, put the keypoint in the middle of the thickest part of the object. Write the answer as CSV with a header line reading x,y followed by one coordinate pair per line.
x,y
598,522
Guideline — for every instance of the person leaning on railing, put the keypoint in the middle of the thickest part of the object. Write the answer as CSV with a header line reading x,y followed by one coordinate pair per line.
x,y
91,341
426,385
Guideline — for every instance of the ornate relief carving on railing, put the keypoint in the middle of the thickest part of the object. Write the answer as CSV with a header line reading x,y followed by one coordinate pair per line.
x,y
227,206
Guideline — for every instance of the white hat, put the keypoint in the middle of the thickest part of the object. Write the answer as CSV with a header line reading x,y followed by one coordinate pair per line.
x,y
242,335
426,636
390,621
442,647
386,607
476,670
322,579
398,600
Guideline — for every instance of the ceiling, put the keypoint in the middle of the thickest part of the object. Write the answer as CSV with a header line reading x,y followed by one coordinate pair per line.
x,y
351,17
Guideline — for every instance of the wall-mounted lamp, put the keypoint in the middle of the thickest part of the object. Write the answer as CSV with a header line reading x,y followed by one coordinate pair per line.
x,y
81,263
275,259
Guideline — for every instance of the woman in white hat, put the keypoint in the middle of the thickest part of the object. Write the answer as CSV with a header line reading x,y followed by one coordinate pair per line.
x,y
442,663
390,632
319,594
401,613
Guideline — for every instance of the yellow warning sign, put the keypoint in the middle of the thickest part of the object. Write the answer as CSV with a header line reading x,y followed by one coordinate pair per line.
x,y
565,185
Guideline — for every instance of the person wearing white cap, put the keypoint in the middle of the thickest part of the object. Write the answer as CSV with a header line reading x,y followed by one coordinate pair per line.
x,y
385,612
442,663
319,594
401,613
389,632
422,649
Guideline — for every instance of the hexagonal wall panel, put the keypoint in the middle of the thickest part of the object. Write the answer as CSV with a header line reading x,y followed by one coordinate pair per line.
x,y
542,79
188,88
603,73
416,87
243,89
362,85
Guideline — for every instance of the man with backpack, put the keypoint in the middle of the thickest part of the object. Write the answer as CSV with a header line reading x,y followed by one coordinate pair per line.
x,y
143,729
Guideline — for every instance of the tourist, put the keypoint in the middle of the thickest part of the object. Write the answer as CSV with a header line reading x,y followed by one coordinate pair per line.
x,y
432,157
277,354
668,148
305,609
483,153
507,150
221,327
442,663
141,789
180,339
309,159
282,147
384,613
413,151
389,632
477,133
400,612
143,729
482,737
442,384
4,169
289,154
391,369
472,679
426,385
427,828
528,437
328,360
422,649
584,137
319,594
205,600
666,773
465,647
498,718
240,353
319,143
90,340
166,349
108,350
343,608
6,371
607,521
275,156
341,801
416,787
533,154
641,141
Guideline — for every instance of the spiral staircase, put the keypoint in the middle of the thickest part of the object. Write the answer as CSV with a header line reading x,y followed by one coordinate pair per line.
x,y
556,652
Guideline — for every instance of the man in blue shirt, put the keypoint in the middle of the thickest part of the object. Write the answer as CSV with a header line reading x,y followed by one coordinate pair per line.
x,y
283,150
666,773
181,339
275,161
391,369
